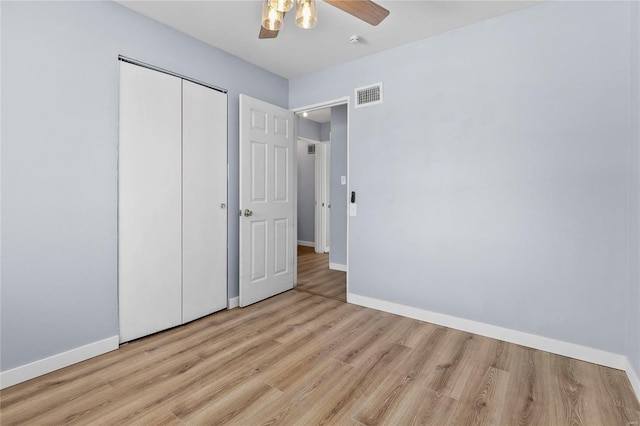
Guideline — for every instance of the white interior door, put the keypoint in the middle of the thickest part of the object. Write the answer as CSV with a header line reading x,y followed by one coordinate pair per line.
x,y
323,199
149,193
267,225
326,170
319,199
204,200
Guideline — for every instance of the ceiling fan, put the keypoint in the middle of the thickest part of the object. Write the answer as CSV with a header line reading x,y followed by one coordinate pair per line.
x,y
273,12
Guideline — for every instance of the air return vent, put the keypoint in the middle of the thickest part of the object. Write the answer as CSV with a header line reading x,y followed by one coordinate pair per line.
x,y
311,149
369,95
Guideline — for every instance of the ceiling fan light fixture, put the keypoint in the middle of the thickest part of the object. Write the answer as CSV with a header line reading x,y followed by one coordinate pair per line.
x,y
272,19
281,5
306,16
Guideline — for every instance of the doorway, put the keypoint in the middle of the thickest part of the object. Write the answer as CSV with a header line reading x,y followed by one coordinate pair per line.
x,y
315,276
322,182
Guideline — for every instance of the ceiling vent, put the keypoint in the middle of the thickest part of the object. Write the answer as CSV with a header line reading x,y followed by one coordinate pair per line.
x,y
369,95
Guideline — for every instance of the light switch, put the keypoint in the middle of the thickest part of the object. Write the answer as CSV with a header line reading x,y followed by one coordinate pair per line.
x,y
353,209
343,180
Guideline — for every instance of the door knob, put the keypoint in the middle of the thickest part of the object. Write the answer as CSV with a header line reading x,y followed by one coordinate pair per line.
x,y
247,213
223,206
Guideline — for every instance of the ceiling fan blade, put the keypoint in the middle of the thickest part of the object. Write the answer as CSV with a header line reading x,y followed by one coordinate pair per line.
x,y
366,10
265,33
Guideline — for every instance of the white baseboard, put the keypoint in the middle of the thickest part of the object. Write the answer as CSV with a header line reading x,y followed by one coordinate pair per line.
x,y
234,302
306,243
338,267
633,378
572,350
56,362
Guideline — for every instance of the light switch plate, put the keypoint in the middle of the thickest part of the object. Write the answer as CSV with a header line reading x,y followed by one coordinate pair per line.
x,y
343,180
353,209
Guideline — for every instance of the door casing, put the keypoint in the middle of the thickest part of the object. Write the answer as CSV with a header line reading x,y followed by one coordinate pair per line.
x,y
328,104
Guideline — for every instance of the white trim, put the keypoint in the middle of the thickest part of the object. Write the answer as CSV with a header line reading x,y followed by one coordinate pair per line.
x,y
294,236
234,302
307,140
56,362
338,267
633,377
572,350
348,190
346,100
322,105
306,243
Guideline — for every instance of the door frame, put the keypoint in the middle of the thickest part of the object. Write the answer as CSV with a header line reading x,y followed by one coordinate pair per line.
x,y
346,100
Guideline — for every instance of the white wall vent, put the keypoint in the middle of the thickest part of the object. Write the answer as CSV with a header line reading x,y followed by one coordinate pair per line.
x,y
369,95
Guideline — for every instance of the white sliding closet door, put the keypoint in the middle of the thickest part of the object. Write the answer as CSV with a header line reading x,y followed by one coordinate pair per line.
x,y
204,200
149,202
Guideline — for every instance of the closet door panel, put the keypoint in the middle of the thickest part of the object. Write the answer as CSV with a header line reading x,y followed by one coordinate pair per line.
x,y
149,194
204,239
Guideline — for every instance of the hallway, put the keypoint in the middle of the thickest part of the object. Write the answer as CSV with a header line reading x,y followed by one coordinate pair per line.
x,y
315,277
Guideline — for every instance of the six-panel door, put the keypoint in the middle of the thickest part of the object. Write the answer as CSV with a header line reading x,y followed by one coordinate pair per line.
x,y
266,200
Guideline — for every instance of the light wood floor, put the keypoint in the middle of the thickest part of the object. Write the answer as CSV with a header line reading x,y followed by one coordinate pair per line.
x,y
303,359
315,277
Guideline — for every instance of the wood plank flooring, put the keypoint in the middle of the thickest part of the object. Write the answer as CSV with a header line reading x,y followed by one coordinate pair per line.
x,y
302,359
315,277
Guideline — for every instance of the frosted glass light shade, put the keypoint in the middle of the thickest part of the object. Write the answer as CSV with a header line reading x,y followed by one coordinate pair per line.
x,y
306,16
281,5
271,18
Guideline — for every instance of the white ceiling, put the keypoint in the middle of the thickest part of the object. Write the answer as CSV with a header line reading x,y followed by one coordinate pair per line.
x,y
319,115
233,26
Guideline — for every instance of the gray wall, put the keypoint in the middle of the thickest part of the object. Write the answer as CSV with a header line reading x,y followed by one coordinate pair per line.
x,y
59,138
633,298
325,131
493,182
308,128
338,222
306,179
